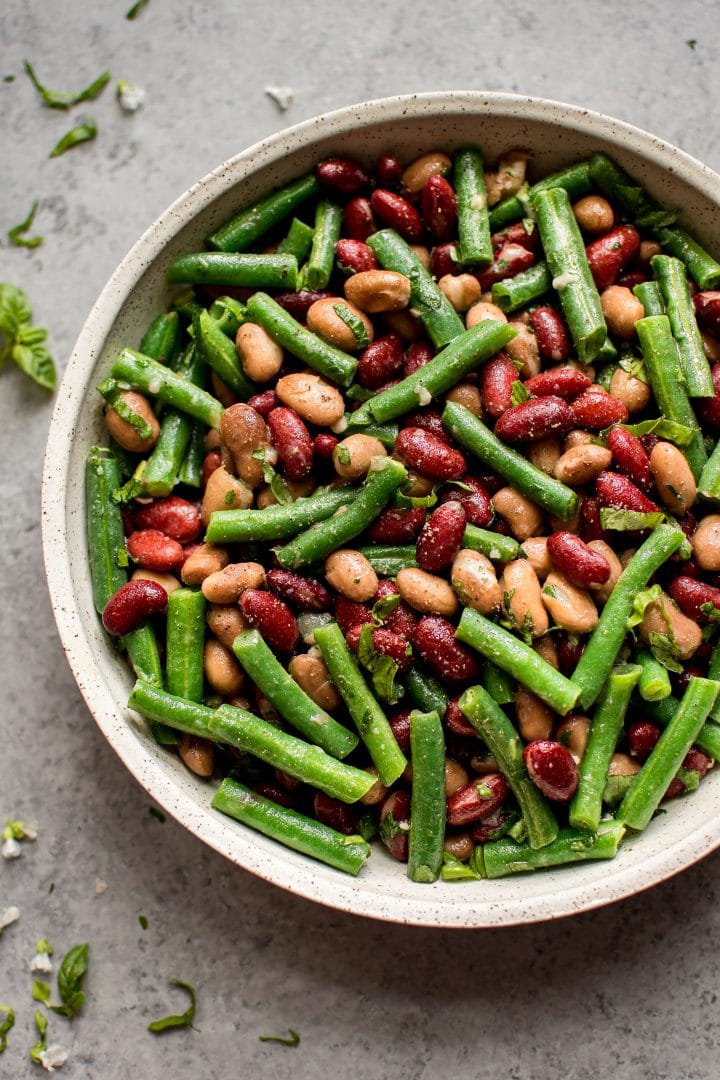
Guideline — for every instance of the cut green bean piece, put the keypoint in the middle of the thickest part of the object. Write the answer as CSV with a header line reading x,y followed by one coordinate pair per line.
x,y
185,644
499,685
602,649
163,465
426,692
495,546
146,375
702,267
709,483
385,433
654,681
427,812
229,314
241,231
178,713
438,316
708,739
517,659
319,268
505,856
142,649
651,783
161,339
277,522
288,827
369,718
322,357
190,471
575,179
389,559
219,352
473,222
298,240
525,288
289,699
106,536
649,295
607,723
673,282
505,745
271,271
565,256
620,186
465,428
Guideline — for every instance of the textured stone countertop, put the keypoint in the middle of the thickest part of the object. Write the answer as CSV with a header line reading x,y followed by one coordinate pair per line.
x,y
629,991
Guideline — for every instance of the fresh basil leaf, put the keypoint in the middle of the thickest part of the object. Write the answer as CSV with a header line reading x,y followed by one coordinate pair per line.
x,y
40,991
634,366
390,828
82,132
6,1025
680,434
385,607
142,919
710,612
666,651
656,219
57,100
640,603
689,778
70,975
629,520
182,1020
135,10
41,1023
36,362
616,788
455,870
383,669
15,311
417,502
354,323
15,234
292,1038
519,393
35,1053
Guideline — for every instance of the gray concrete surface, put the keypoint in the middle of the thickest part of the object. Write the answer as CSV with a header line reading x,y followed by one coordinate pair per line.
x,y
630,991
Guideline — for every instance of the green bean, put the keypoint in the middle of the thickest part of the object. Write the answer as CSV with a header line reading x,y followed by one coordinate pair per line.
x,y
369,718
651,783
219,352
320,265
239,271
389,559
497,547
602,649
385,476
229,314
385,433
241,231
178,713
523,289
467,352
142,649
607,723
426,692
277,522
505,856
113,392
499,685
505,745
288,827
703,269
185,643
318,354
289,699
565,255
146,375
649,295
106,536
654,681
162,337
575,179
442,323
473,222
161,470
550,494
666,379
517,659
190,471
709,482
427,808
298,240
672,279
662,712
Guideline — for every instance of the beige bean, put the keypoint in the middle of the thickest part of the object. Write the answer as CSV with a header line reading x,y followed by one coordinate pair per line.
x,y
573,733
417,486
571,524
523,350
475,582
601,593
260,356
534,717
459,844
352,456
582,464
311,674
224,492
621,309
168,581
405,324
576,438
312,398
711,345
663,616
484,310
546,647
706,543
634,393
243,432
212,439
227,585
205,560
197,754
426,592
569,607
351,574
222,391
375,291
456,777
124,433
222,670
623,765
467,394
462,290
377,792
323,320
226,622
522,515
522,597
649,248
536,552
422,254
594,214
418,172
508,176
545,454
483,763
673,478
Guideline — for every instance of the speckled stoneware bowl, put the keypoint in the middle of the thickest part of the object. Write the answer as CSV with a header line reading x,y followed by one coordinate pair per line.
x,y
555,134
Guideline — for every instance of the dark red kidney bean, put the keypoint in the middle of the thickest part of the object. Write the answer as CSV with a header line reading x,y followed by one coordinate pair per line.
x,y
566,383
456,722
553,340
478,799
692,596
697,761
385,588
496,380
707,309
428,420
298,304
397,213
641,738
444,260
509,261
675,788
396,526
176,517
579,563
570,649
690,671
387,643
590,527
476,502
618,492
534,419
275,794
708,409
650,441
441,537
211,462
594,411
435,642
302,593
323,446
358,219
439,210
524,233
630,457
132,605
128,516
632,278
418,355
552,769
337,815
349,613
354,256
429,455
272,617
402,620
342,174
153,550
379,361
264,403
292,441
400,727
285,780
494,826
388,170
395,824
611,253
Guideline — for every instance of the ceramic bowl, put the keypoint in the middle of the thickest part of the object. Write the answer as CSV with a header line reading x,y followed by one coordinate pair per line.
x,y
556,135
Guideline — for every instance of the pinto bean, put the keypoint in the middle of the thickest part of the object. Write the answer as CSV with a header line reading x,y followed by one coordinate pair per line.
x,y
352,457
311,674
474,580
243,432
522,515
663,616
324,321
602,592
523,349
582,464
706,543
224,492
124,433
534,717
351,574
426,592
633,393
225,586
226,622
222,670
261,357
569,607
673,478
205,560
312,398
536,552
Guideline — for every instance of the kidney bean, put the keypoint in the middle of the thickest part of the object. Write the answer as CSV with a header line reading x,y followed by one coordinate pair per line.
x,y
566,383
708,409
477,800
379,361
441,537
494,826
400,727
590,527
349,613
456,722
509,261
439,209
272,617
517,234
298,304
396,526
629,455
132,605
397,213
342,174
292,441
428,420
402,620
275,794
430,455
385,643
354,256
264,403
697,760
611,253
534,419
569,649
551,334
618,492
395,824
418,355
595,411
358,219
435,642
337,815
707,310
476,502
323,446
302,593
579,563
690,671
691,596
176,517
211,462
443,260
496,378
153,550
552,768
641,738
388,170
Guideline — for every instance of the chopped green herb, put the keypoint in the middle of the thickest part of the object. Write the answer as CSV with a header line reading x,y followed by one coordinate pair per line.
x,y
690,778
691,43
182,1020
8,78
41,1023
710,612
665,650
680,434
415,502
70,975
6,1025
18,830
51,888
354,323
56,100
40,991
455,870
15,234
343,455
384,607
44,945
157,814
83,132
382,669
629,520
640,603
135,10
142,919
634,366
519,393
616,789
291,1039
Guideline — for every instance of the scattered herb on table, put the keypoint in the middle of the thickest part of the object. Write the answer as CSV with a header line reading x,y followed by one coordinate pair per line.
x,y
85,131
182,1020
142,919
40,1047
15,234
291,1039
23,344
6,1025
157,814
135,10
70,975
57,100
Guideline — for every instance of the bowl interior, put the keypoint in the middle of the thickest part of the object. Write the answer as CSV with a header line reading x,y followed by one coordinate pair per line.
x,y
555,135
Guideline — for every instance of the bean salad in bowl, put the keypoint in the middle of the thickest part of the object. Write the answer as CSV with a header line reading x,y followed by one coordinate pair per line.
x,y
407,522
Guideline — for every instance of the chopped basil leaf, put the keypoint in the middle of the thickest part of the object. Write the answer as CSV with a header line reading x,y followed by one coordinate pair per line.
x,y
629,520
710,612
158,814
6,1025
519,393
292,1038
640,603
382,669
57,100
689,778
142,919
634,366
359,393
354,323
367,826
40,991
616,788
8,78
680,434
82,132
343,455
20,341
691,43
70,975
656,219
135,10
15,234
455,870
182,1020
385,607
41,1023
665,650
44,945
417,502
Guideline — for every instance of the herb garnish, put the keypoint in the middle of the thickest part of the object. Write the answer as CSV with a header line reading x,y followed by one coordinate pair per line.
x,y
135,10
167,1023
291,1039
23,342
142,919
15,234
157,814
83,132
70,975
56,100
40,1046
6,1025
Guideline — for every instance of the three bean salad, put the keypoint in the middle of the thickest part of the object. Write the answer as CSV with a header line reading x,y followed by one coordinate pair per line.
x,y
408,521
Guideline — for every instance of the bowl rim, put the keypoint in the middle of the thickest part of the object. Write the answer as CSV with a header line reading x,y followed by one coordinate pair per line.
x,y
302,876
